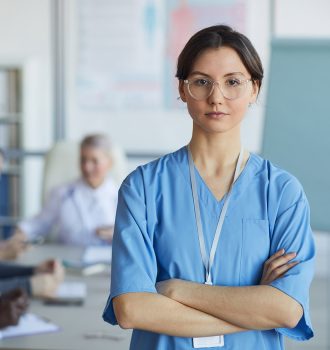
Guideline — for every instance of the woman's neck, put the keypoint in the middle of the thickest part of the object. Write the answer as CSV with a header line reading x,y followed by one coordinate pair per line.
x,y
215,153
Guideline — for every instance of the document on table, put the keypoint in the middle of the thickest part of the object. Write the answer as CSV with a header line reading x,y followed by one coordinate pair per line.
x,y
29,324
68,293
71,290
98,254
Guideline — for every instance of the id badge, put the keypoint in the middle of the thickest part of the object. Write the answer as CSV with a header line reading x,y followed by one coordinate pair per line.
x,y
208,342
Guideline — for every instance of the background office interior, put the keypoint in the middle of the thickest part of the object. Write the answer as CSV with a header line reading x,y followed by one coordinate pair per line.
x,y
60,57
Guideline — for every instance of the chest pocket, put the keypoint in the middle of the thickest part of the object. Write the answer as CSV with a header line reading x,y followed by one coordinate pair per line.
x,y
255,250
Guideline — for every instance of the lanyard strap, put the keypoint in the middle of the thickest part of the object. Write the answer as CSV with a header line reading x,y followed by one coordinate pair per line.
x,y
208,261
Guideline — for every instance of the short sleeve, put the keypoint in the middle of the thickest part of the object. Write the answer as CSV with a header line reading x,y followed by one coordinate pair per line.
x,y
292,232
134,265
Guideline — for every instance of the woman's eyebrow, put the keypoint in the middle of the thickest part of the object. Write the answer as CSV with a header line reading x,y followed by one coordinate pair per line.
x,y
206,75
233,73
196,72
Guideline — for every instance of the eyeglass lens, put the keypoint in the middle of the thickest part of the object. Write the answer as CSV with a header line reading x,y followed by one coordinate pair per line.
x,y
201,89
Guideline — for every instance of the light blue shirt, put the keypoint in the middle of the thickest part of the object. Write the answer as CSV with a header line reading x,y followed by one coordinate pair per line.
x,y
156,239
73,212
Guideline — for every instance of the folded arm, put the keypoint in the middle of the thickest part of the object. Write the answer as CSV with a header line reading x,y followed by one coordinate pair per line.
x,y
252,307
157,313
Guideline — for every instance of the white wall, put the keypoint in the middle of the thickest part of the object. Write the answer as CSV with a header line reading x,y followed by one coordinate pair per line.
x,y
25,42
302,18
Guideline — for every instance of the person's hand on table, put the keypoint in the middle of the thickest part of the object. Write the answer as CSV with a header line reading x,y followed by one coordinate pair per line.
x,y
12,305
48,276
11,248
44,285
105,233
53,267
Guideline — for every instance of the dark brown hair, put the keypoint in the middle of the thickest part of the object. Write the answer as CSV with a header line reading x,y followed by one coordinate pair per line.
x,y
213,38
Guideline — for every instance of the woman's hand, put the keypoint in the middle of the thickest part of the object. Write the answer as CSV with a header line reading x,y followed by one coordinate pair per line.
x,y
105,233
12,247
276,266
48,275
44,285
53,267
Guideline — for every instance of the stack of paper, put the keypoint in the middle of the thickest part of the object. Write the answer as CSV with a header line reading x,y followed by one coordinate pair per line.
x,y
71,290
69,293
29,324
98,254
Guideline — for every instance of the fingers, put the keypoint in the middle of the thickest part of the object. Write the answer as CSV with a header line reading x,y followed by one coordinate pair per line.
x,y
58,270
274,256
42,267
17,244
280,271
44,285
277,265
281,260
52,267
105,233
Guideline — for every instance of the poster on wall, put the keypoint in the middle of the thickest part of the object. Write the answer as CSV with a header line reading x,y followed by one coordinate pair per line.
x,y
186,17
127,50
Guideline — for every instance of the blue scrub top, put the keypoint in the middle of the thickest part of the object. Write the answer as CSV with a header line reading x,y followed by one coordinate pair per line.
x,y
156,239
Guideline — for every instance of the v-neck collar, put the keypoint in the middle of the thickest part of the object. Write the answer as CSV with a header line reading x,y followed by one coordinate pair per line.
x,y
205,185
205,194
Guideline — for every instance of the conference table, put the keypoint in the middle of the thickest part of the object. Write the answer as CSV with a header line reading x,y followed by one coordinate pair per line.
x,y
82,326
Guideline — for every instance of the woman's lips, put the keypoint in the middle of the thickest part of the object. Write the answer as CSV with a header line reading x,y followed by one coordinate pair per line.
x,y
216,114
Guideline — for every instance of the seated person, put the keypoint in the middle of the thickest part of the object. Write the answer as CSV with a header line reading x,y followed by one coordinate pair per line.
x,y
81,212
12,305
37,281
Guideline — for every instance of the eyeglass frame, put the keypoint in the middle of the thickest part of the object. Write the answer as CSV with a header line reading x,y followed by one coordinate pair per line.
x,y
187,82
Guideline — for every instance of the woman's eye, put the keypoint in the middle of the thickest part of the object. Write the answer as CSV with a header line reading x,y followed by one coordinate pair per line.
x,y
201,82
233,82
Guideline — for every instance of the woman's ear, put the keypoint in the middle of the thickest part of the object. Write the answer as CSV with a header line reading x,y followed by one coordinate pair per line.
x,y
181,91
255,91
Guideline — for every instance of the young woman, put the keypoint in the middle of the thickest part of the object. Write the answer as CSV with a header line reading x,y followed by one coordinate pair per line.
x,y
205,237
81,212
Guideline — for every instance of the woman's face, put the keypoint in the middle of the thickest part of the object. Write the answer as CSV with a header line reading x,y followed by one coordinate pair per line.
x,y
216,114
94,164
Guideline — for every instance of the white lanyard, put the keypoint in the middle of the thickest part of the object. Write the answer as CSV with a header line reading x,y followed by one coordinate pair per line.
x,y
208,262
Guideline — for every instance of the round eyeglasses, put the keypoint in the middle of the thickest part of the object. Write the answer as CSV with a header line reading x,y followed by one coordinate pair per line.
x,y
202,88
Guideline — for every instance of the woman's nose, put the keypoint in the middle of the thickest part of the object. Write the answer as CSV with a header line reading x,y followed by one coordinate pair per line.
x,y
216,95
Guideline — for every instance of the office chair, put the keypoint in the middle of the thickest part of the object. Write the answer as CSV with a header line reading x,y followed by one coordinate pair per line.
x,y
62,165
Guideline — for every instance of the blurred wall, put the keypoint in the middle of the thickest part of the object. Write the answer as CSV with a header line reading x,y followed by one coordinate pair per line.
x,y
25,36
